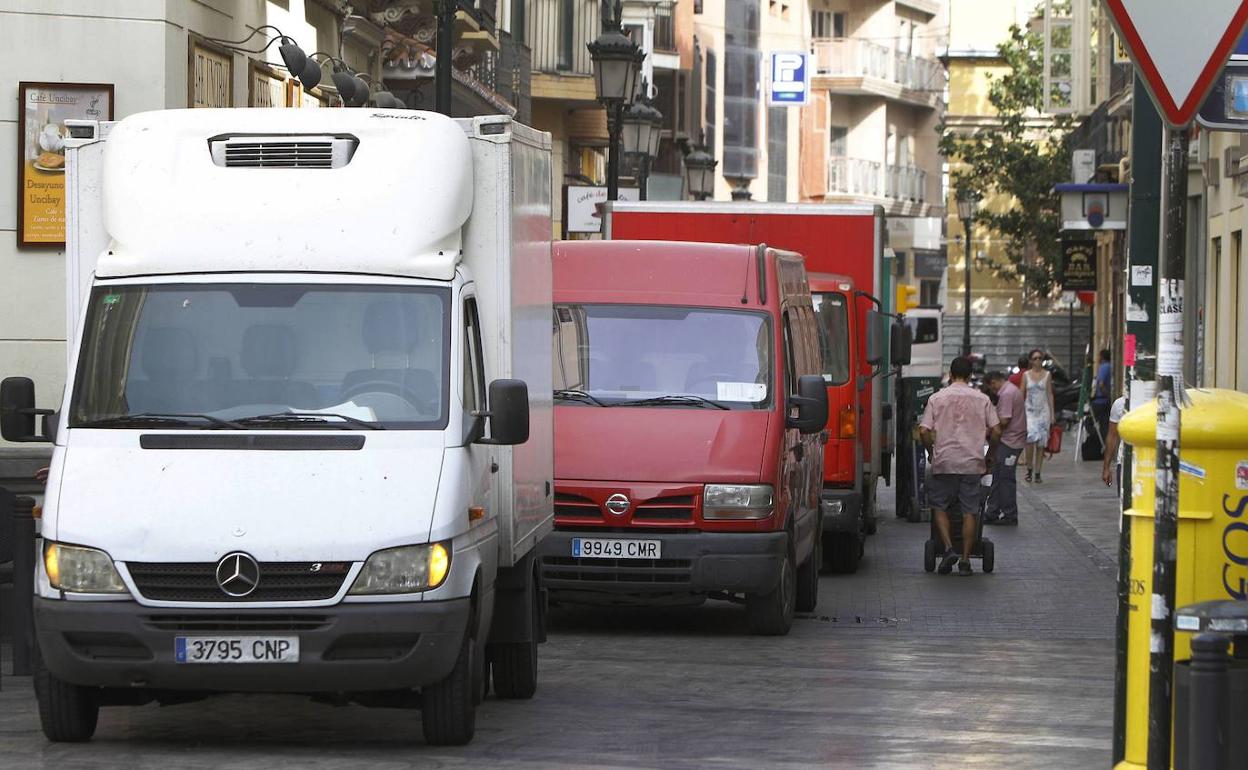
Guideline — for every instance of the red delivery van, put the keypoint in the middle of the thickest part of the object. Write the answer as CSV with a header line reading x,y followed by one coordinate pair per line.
x,y
843,246
689,417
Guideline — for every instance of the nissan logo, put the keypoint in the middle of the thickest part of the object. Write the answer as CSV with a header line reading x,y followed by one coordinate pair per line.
x,y
618,504
238,574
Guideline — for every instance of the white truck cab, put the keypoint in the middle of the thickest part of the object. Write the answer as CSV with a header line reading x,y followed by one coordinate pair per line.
x,y
278,466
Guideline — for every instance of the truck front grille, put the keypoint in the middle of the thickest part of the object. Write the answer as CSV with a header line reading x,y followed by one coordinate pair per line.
x,y
249,623
560,571
283,151
675,508
197,582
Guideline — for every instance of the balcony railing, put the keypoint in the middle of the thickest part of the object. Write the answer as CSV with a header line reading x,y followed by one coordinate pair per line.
x,y
854,57
869,178
849,57
558,31
665,27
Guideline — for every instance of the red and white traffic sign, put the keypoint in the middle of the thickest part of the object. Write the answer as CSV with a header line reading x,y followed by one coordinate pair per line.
x,y
1179,48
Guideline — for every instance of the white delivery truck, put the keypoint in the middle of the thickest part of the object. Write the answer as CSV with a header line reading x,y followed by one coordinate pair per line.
x,y
278,466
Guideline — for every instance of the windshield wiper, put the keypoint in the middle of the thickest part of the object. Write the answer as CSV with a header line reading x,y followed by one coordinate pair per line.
x,y
154,418
570,394
287,418
680,399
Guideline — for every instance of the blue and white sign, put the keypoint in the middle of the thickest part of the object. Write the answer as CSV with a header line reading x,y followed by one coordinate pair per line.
x,y
790,78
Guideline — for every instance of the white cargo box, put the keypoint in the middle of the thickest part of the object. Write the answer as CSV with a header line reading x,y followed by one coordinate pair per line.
x,y
507,250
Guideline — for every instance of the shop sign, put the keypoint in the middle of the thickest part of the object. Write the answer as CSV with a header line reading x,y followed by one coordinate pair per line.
x,y
1079,265
929,264
43,109
265,88
210,75
583,207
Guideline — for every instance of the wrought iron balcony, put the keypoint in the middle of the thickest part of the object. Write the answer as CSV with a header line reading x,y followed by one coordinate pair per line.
x,y
557,33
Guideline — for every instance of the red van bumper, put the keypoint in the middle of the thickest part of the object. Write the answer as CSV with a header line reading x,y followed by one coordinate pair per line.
x,y
690,563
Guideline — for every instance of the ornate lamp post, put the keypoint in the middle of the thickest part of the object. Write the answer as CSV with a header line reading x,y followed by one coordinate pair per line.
x,y
643,126
700,173
617,60
968,203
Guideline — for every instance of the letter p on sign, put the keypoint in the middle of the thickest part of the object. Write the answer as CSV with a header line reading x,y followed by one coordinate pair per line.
x,y
790,78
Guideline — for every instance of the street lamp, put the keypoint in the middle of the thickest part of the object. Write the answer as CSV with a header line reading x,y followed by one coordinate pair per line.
x,y
616,60
968,203
643,126
700,173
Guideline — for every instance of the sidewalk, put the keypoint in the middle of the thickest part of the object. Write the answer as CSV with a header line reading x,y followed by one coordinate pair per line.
x,y
1074,493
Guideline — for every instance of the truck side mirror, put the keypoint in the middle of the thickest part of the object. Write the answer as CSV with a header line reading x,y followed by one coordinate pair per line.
x,y
17,410
900,340
509,413
811,403
875,338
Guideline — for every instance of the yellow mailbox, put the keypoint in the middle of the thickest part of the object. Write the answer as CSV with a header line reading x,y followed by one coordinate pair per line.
x,y
1212,559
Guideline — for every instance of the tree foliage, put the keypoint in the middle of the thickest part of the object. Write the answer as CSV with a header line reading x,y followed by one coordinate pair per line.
x,y
1022,155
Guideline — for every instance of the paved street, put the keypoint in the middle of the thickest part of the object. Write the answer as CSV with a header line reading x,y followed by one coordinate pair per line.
x,y
896,669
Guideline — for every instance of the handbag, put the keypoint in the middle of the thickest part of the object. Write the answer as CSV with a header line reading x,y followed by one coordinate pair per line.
x,y
1054,445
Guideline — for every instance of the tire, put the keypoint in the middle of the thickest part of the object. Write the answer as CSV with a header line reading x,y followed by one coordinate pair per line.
x,y
808,576
929,555
771,614
845,553
514,664
67,712
989,558
448,708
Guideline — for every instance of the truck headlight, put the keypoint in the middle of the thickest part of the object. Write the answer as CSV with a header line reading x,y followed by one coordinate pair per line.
x,y
81,570
737,501
404,570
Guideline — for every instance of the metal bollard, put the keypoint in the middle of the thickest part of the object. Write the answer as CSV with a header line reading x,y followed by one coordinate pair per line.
x,y
1209,714
23,584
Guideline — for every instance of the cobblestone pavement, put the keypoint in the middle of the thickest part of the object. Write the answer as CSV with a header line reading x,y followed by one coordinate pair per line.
x,y
896,669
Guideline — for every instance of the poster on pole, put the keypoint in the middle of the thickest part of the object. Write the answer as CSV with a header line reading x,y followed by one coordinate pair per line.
x,y
1078,265
583,207
42,111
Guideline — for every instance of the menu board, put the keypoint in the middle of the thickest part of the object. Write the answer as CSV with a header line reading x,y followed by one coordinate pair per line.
x,y
210,75
43,109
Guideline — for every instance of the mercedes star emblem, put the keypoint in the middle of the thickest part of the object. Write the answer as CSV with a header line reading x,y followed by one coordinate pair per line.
x,y
238,574
618,504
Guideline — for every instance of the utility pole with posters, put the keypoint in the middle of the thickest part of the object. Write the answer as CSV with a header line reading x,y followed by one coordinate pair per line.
x,y
1179,49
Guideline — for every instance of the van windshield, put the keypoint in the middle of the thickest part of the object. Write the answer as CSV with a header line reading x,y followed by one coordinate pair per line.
x,y
833,315
623,355
199,356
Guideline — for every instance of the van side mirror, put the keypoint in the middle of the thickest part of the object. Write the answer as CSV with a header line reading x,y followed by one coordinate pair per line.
x,y
812,404
509,413
901,338
875,337
17,410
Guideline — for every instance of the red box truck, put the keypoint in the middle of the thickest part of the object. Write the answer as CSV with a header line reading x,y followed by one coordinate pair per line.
x,y
689,419
843,247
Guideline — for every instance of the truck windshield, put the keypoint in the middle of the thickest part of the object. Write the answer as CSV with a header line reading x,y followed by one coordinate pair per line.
x,y
202,356
621,355
923,330
833,313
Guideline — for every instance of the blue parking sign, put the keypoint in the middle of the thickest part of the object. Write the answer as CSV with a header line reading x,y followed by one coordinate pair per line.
x,y
790,78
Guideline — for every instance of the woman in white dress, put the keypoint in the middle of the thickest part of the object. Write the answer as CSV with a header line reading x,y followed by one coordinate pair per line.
x,y
1038,404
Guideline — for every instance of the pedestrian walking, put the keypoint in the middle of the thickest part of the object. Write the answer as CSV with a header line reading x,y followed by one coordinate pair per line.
x,y
1038,394
1113,444
1099,402
1003,498
954,427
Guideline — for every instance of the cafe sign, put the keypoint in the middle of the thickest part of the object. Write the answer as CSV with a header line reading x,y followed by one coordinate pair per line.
x,y
43,109
1078,265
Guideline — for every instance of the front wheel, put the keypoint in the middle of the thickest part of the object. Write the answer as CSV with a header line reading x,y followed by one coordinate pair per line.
x,y
514,664
808,576
67,712
845,553
771,614
448,708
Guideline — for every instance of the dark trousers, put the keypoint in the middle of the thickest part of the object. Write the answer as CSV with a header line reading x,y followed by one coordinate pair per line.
x,y
1003,497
